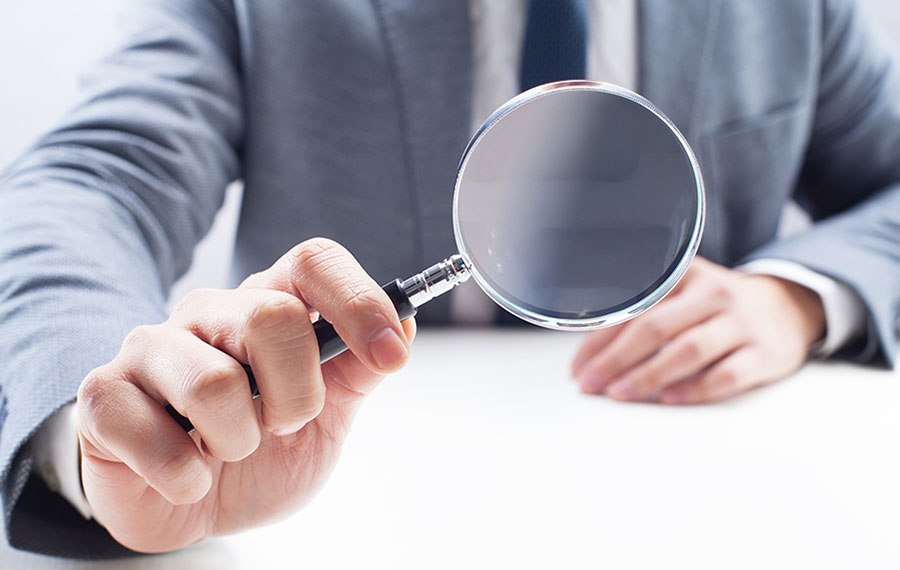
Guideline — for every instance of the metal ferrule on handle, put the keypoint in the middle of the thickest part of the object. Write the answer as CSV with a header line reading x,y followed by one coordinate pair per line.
x,y
436,280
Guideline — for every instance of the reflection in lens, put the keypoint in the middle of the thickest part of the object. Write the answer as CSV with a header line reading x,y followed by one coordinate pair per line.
x,y
577,206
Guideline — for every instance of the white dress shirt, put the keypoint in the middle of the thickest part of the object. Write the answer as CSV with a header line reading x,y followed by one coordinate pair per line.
x,y
497,28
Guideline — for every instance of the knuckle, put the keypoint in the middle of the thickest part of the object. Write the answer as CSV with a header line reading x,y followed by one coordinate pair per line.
x,y
141,336
720,293
320,244
364,299
293,409
277,311
300,409
652,330
193,298
727,376
301,406
250,279
214,386
92,383
169,465
310,255
92,389
691,349
99,401
98,388
316,402
176,471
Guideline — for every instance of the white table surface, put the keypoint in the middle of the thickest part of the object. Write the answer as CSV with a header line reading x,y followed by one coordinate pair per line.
x,y
482,453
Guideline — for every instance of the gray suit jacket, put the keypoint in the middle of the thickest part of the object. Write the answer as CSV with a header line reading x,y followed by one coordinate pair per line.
x,y
346,118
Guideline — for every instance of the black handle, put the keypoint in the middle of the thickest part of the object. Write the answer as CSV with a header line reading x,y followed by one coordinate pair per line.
x,y
330,344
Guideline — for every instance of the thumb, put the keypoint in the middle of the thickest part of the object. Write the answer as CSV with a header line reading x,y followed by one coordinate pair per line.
x,y
347,382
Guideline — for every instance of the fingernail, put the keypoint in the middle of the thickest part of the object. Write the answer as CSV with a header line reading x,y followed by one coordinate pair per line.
x,y
591,380
673,397
282,432
622,390
387,349
279,430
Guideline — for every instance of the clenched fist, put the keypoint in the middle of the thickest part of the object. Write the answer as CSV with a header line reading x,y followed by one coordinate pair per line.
x,y
156,488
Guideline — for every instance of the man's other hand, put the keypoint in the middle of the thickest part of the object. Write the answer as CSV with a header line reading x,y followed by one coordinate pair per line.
x,y
156,488
719,333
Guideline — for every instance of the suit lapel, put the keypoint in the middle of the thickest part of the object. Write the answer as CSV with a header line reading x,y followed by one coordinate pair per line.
x,y
429,48
675,45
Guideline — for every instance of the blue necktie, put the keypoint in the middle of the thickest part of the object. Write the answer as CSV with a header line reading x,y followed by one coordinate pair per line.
x,y
554,49
555,42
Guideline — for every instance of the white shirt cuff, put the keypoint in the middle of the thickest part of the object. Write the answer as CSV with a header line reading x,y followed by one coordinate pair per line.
x,y
845,313
57,457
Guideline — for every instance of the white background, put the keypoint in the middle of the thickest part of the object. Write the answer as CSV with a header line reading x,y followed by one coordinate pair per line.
x,y
43,44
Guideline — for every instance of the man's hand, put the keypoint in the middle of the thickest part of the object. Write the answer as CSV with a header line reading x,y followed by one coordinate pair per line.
x,y
156,488
719,333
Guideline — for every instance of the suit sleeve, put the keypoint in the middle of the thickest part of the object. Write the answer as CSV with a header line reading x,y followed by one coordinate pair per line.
x,y
97,220
850,182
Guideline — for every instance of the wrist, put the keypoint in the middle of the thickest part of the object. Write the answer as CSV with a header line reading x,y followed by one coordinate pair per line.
x,y
803,306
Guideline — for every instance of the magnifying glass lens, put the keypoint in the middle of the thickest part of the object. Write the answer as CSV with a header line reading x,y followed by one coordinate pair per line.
x,y
575,210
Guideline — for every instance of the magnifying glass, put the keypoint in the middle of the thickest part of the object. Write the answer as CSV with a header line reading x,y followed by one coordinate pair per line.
x,y
578,205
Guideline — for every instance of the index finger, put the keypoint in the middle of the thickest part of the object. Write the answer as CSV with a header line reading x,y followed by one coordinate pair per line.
x,y
328,278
